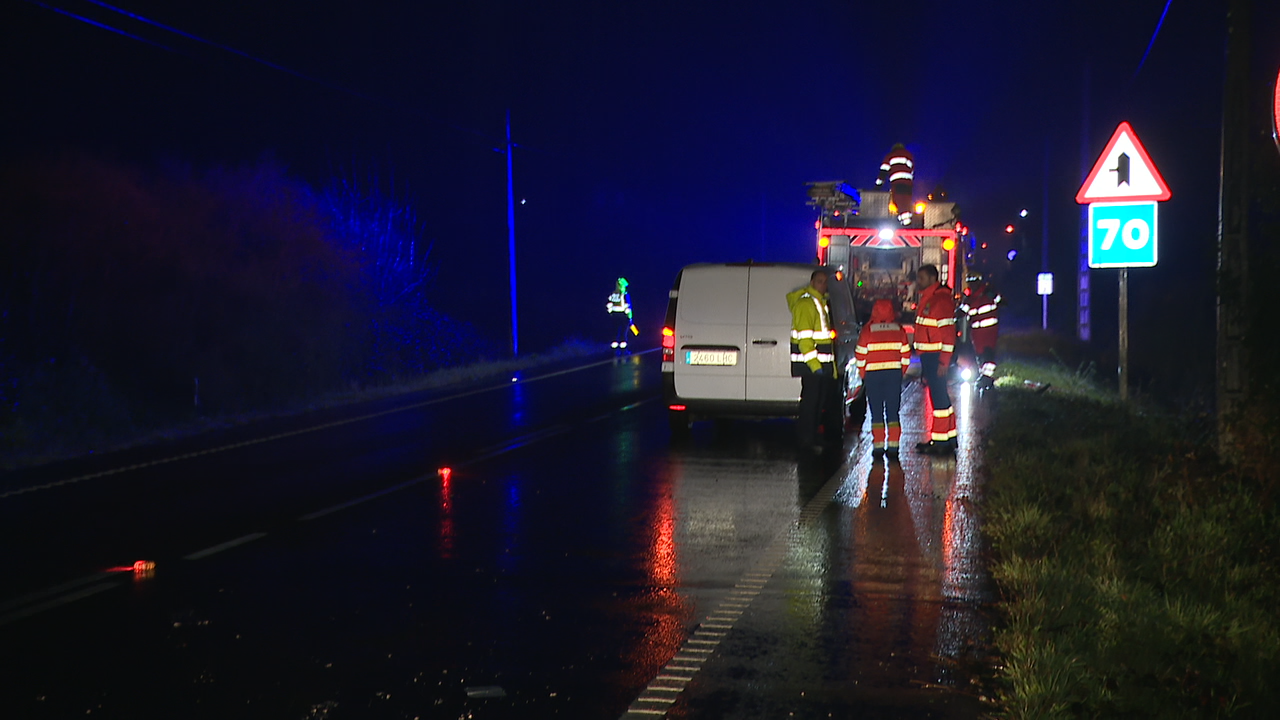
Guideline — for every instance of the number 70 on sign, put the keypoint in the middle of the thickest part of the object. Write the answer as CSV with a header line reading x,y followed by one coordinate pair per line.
x,y
1123,235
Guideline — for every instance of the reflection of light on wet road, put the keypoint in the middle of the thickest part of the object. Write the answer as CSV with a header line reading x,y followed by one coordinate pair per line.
x,y
446,514
662,554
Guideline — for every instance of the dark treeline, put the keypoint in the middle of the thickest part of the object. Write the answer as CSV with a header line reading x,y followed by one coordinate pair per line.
x,y
133,298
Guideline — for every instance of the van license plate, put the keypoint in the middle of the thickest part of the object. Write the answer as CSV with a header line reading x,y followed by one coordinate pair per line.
x,y
711,357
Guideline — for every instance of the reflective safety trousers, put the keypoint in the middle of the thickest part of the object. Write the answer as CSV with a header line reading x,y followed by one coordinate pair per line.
x,y
936,323
812,339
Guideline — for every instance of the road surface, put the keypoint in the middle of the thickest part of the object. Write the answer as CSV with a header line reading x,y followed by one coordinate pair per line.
x,y
574,563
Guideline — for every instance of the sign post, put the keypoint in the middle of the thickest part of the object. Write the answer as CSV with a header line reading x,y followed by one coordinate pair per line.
x,y
1123,192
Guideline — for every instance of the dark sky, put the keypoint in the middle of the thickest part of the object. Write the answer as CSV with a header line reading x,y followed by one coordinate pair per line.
x,y
653,134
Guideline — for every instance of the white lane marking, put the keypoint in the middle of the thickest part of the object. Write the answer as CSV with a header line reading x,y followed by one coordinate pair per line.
x,y
58,601
294,433
745,591
361,499
214,550
52,590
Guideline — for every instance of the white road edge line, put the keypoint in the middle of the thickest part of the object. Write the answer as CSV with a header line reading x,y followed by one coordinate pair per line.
x,y
57,601
214,550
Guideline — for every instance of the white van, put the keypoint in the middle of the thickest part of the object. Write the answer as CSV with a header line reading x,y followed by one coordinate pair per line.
x,y
726,345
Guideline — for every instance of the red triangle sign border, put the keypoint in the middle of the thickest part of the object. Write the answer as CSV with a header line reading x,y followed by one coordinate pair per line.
x,y
1121,130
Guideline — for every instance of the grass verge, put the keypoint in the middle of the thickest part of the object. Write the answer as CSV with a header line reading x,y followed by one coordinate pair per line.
x,y
1138,577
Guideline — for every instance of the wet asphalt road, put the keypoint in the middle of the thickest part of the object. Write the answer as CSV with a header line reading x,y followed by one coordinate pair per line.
x,y
575,562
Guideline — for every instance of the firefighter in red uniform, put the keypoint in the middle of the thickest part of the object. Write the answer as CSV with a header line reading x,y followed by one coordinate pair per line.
x,y
983,308
936,341
899,170
882,356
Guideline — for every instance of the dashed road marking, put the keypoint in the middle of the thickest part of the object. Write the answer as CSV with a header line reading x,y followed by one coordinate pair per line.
x,y
701,643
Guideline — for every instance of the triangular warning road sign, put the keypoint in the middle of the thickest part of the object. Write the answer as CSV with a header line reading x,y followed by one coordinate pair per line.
x,y
1124,172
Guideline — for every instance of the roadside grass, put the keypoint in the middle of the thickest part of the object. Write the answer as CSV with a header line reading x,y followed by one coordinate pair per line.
x,y
73,437
1138,577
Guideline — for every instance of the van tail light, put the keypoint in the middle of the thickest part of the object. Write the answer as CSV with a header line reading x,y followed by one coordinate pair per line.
x,y
668,344
677,408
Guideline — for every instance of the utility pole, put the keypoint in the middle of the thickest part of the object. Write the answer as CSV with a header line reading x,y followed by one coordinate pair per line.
x,y
1233,240
1083,328
511,244
1044,238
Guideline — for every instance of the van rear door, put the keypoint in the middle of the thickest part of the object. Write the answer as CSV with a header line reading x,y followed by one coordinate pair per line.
x,y
711,324
769,332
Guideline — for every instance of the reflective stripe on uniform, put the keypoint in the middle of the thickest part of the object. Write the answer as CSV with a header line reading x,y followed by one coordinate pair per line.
x,y
948,348
804,357
901,176
987,323
928,347
926,322
900,160
884,366
801,334
948,412
873,347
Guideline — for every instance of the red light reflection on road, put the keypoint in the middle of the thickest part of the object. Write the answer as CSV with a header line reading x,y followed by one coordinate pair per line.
x,y
446,513
662,554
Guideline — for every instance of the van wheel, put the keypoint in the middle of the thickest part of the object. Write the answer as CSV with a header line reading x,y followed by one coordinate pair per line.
x,y
680,423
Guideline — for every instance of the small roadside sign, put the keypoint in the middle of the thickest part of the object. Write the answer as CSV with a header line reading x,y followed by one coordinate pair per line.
x,y
1123,173
1044,283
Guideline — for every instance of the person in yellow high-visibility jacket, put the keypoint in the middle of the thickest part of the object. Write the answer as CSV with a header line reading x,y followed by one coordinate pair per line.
x,y
813,357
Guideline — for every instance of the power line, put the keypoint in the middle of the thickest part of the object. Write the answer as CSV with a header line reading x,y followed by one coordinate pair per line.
x,y
103,26
1154,35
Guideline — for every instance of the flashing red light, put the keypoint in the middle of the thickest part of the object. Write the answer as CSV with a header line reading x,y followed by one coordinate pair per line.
x,y
445,473
1008,229
984,246
839,275
817,224
668,341
677,408
836,213
824,241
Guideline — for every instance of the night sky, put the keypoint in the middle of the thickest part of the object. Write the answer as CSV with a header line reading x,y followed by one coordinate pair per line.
x,y
657,134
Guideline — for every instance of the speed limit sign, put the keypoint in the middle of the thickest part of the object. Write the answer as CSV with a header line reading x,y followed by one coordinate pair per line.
x,y
1123,235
